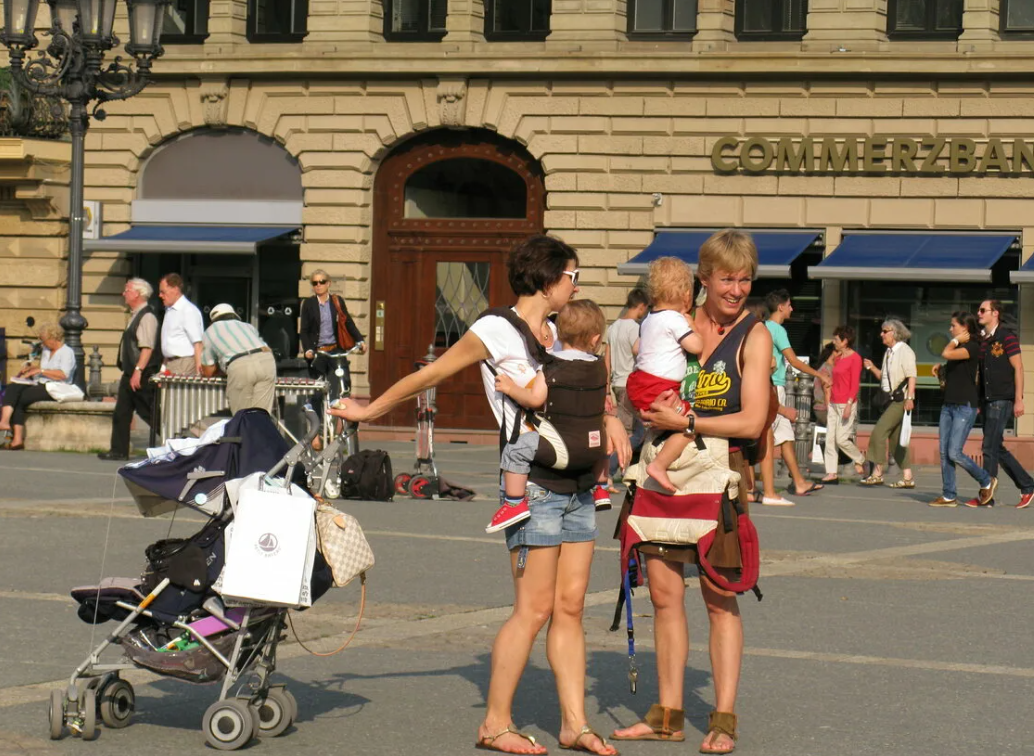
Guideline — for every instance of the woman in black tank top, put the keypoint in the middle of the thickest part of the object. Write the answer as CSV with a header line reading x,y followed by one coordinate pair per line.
x,y
732,400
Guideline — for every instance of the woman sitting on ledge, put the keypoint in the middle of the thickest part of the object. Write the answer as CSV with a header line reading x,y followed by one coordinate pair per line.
x,y
28,386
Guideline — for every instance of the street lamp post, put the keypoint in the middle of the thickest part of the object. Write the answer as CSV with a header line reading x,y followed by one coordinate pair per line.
x,y
71,68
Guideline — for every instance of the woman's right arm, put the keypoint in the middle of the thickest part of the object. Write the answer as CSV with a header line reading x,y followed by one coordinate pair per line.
x,y
466,352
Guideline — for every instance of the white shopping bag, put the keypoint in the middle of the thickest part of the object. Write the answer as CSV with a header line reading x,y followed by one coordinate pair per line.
x,y
906,430
271,549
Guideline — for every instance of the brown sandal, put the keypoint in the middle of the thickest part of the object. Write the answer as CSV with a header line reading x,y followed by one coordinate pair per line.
x,y
665,723
720,723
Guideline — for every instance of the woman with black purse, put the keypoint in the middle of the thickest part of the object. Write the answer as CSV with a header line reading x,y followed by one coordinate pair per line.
x,y
897,377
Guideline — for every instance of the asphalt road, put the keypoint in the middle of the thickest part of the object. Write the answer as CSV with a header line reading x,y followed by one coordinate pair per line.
x,y
887,627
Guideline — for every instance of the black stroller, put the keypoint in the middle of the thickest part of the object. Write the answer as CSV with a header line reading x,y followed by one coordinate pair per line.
x,y
172,620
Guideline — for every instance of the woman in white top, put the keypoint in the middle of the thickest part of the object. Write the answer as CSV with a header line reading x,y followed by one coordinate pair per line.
x,y
56,364
551,551
897,376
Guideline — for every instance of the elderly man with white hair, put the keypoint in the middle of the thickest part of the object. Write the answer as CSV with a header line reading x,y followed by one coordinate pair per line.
x,y
139,359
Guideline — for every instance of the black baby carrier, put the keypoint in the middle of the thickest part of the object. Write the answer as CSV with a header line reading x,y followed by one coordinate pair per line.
x,y
570,425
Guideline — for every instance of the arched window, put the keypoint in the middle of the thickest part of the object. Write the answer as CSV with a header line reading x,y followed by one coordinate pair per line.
x,y
465,188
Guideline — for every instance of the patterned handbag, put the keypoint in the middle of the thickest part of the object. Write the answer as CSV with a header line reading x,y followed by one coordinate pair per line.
x,y
343,545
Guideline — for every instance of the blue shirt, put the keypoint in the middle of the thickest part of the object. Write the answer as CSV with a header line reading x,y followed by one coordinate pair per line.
x,y
780,341
327,335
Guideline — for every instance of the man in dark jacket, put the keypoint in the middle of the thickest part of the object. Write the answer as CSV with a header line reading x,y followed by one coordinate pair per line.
x,y
320,333
139,359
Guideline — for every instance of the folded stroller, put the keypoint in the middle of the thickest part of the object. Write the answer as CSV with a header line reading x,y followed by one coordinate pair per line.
x,y
172,620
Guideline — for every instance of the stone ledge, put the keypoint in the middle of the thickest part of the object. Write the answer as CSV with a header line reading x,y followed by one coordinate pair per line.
x,y
68,426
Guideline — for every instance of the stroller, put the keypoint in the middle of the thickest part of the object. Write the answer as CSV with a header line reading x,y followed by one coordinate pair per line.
x,y
172,620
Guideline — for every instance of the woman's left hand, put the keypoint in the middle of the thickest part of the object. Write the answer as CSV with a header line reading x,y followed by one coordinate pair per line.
x,y
909,405
617,440
663,413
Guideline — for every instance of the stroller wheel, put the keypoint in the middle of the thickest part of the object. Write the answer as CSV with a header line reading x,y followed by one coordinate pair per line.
x,y
228,724
420,487
332,489
275,713
402,483
89,714
118,701
57,713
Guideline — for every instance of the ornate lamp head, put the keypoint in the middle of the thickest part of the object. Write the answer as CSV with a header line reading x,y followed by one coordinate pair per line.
x,y
145,28
96,19
20,23
63,15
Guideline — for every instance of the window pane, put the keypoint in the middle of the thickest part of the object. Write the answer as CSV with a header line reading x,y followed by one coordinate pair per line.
x,y
685,15
279,17
757,15
794,13
461,295
438,10
649,15
910,15
512,15
540,15
949,15
1020,15
465,188
405,15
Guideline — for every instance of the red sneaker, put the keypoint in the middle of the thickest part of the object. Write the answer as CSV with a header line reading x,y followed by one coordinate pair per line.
x,y
1025,500
975,503
601,498
509,514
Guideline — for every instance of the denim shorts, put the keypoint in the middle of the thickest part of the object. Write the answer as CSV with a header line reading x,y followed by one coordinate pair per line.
x,y
555,519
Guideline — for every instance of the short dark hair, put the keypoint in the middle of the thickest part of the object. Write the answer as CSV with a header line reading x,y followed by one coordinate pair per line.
x,y
845,333
538,263
775,298
967,320
174,280
637,297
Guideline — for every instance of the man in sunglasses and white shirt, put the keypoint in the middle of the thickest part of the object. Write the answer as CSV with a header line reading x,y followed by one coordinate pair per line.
x,y
319,330
1001,381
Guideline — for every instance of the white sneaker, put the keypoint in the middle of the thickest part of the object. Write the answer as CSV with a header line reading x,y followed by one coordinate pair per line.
x,y
778,501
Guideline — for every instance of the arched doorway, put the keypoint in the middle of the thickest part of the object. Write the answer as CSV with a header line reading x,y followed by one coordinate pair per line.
x,y
448,207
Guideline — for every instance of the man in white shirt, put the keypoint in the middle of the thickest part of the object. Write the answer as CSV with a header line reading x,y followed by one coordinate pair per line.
x,y
620,355
182,329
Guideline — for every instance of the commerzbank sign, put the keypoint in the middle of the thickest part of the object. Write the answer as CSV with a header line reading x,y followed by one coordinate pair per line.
x,y
925,156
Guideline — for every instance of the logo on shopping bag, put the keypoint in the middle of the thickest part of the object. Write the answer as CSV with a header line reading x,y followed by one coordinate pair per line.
x,y
268,544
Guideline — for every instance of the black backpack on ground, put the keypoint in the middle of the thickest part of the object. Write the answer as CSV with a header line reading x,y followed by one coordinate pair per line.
x,y
367,475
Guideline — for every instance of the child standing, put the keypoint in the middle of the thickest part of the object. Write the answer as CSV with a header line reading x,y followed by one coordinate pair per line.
x,y
580,327
665,337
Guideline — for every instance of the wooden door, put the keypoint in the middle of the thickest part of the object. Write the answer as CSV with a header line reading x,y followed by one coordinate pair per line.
x,y
432,275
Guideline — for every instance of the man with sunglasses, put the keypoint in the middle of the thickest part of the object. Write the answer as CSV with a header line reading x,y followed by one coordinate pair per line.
x,y
1001,377
320,333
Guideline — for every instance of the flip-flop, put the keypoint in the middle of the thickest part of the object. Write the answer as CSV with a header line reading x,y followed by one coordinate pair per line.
x,y
487,742
577,745
812,488
830,482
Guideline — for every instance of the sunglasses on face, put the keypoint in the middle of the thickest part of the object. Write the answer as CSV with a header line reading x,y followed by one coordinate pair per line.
x,y
320,282
982,310
574,275
887,330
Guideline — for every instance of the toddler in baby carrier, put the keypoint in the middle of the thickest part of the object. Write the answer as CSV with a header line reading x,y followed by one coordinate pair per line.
x,y
568,437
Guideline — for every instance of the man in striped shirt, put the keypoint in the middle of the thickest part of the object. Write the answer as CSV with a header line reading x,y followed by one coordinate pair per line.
x,y
1001,377
235,348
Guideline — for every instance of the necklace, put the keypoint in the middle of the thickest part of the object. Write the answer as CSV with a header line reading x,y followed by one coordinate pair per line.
x,y
720,327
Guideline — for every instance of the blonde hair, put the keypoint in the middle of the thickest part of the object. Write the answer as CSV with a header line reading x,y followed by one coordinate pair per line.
x,y
319,273
729,250
670,281
50,331
579,321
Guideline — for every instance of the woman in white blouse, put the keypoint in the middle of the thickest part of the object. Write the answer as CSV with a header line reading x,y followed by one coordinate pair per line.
x,y
56,364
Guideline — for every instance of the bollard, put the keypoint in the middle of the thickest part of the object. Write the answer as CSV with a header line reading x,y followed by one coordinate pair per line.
x,y
94,388
804,427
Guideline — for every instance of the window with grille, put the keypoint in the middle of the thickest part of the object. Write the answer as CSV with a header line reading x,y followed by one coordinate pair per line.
x,y
1017,17
277,20
662,17
517,19
414,20
771,19
185,22
924,19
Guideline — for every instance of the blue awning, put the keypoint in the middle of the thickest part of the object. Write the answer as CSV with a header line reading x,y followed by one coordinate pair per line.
x,y
219,240
914,257
1025,274
776,250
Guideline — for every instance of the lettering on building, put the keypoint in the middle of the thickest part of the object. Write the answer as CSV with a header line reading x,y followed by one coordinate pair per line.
x,y
921,156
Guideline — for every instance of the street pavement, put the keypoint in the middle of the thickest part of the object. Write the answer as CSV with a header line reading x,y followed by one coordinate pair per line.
x,y
887,627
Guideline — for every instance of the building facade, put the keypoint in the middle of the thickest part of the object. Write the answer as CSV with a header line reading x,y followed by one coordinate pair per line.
x,y
404,146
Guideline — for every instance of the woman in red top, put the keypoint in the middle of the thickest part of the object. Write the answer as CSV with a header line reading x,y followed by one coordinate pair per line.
x,y
843,404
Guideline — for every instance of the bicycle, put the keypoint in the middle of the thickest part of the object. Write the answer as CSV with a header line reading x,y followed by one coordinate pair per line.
x,y
323,467
340,387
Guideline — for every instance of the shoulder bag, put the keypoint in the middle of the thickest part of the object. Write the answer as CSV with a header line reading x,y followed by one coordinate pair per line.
x,y
344,338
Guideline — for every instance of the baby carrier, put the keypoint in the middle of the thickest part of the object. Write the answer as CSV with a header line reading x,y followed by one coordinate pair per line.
x,y
570,425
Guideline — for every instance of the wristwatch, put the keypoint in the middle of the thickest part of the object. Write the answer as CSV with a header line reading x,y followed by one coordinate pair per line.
x,y
138,369
691,419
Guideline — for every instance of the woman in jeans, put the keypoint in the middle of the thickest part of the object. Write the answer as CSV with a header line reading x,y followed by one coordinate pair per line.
x,y
843,404
898,371
557,541
959,412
